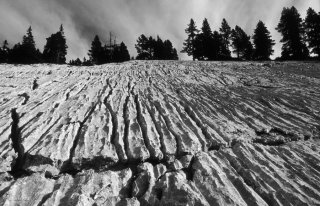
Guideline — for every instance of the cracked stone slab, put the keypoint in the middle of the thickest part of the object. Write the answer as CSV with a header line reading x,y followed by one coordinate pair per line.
x,y
160,133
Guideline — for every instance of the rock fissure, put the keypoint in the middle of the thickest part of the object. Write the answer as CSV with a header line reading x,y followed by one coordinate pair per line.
x,y
15,136
249,183
126,125
67,167
142,124
168,125
158,129
198,122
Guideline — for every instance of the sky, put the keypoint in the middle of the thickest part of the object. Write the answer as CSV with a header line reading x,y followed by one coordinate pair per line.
x,y
128,19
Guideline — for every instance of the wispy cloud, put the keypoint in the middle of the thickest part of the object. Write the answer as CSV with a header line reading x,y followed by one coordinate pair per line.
x,y
127,19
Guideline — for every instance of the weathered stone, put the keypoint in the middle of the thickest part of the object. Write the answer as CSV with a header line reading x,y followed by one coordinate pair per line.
x,y
160,133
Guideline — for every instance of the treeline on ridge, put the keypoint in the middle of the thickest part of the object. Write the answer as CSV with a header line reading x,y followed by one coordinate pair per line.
x,y
55,51
155,49
300,41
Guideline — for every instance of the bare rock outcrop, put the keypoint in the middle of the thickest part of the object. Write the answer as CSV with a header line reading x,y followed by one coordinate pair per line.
x,y
160,133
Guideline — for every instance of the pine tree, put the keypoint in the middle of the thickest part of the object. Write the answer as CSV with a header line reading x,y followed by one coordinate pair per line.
x,y
312,28
26,52
291,28
62,46
143,49
5,46
189,43
159,50
121,53
55,50
225,31
29,48
263,43
4,52
218,46
76,62
168,50
151,49
175,55
86,62
204,42
241,44
28,39
97,53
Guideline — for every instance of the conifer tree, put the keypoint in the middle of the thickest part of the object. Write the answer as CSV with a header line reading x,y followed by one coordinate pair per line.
x,y
5,46
159,50
86,62
97,53
155,49
168,50
76,62
241,44
143,49
175,55
218,47
121,53
28,40
189,43
62,46
291,28
263,43
225,31
26,52
55,50
204,42
312,28
4,52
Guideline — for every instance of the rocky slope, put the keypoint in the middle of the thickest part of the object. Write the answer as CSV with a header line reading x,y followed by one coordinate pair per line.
x,y
160,133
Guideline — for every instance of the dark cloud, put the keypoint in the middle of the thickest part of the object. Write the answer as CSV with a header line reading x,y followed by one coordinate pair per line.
x,y
127,19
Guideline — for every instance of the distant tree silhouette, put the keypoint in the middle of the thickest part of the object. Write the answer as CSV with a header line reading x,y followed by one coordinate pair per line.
x,y
291,28
206,37
4,52
220,51
189,43
159,48
212,45
86,62
97,52
263,43
241,44
151,49
55,50
175,54
143,48
170,53
312,28
121,53
76,62
225,31
26,52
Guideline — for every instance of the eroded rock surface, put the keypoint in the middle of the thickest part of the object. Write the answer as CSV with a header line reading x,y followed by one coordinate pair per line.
x,y
160,133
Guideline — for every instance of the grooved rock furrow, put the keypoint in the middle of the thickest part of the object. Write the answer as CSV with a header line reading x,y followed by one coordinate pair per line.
x,y
136,147
167,140
149,133
95,148
160,133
